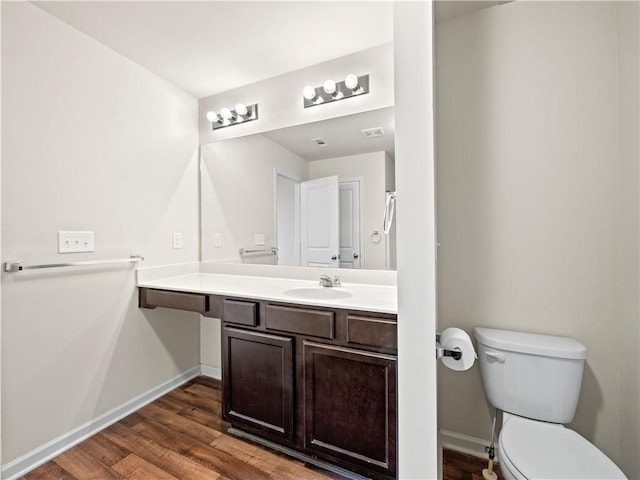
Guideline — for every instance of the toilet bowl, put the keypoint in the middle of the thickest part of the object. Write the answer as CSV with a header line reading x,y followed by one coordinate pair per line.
x,y
535,380
530,449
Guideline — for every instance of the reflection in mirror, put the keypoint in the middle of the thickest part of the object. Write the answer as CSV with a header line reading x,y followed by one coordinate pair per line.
x,y
308,195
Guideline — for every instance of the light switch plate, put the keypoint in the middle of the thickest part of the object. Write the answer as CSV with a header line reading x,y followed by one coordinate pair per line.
x,y
74,241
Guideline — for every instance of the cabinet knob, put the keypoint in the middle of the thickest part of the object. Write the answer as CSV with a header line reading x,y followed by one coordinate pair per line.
x,y
355,255
334,257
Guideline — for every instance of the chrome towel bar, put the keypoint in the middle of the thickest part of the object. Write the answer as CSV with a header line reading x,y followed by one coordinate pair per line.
x,y
271,251
17,265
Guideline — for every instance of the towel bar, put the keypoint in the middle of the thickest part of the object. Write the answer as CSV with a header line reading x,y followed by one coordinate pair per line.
x,y
17,266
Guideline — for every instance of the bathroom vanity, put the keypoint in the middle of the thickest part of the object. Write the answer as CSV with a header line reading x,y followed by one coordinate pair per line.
x,y
314,375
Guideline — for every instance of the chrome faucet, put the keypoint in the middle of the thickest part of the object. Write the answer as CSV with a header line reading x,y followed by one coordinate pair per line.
x,y
325,281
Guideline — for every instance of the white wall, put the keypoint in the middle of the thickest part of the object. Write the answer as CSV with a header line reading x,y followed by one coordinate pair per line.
x,y
91,141
529,200
370,166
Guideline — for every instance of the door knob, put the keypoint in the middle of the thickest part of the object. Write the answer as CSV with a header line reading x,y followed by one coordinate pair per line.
x,y
355,255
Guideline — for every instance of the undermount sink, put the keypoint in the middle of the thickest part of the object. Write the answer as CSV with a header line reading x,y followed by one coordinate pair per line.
x,y
317,293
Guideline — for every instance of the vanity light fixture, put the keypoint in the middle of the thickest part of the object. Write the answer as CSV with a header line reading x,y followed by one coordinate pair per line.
x,y
330,91
227,117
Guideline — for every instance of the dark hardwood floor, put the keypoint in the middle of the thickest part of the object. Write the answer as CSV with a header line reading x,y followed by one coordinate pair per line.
x,y
182,436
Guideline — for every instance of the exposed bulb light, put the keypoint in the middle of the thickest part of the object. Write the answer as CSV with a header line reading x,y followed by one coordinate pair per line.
x,y
309,92
351,81
329,86
331,91
226,117
226,114
212,117
241,109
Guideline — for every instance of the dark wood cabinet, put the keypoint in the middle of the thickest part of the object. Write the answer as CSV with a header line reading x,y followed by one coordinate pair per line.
x,y
257,382
334,369
317,380
193,302
350,405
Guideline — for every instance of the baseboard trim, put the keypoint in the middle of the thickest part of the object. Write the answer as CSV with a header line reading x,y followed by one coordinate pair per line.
x,y
211,371
46,452
466,444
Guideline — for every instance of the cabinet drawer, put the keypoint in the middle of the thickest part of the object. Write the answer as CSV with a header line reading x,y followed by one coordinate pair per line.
x,y
316,323
373,332
240,312
193,302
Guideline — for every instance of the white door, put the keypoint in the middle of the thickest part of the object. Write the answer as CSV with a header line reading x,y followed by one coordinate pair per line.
x,y
350,215
416,242
320,223
287,220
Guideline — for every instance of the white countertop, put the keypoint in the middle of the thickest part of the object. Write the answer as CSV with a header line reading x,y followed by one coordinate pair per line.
x,y
366,297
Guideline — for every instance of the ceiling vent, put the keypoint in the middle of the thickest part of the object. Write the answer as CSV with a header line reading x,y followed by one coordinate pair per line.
x,y
319,141
373,132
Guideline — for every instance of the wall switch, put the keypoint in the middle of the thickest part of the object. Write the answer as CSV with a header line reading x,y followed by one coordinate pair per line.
x,y
258,239
73,242
177,240
217,240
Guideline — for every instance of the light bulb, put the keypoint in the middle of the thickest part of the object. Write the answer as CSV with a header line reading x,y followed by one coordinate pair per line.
x,y
241,109
226,114
351,81
212,116
329,87
309,92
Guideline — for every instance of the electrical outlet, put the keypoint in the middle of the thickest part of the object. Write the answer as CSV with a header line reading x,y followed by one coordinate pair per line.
x,y
73,242
258,239
217,240
177,240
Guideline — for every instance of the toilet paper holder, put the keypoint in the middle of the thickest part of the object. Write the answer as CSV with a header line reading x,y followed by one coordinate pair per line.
x,y
446,352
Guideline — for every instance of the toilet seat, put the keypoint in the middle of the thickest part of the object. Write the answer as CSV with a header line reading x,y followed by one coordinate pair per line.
x,y
540,450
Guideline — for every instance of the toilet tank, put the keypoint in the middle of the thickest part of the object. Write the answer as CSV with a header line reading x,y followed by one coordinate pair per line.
x,y
531,375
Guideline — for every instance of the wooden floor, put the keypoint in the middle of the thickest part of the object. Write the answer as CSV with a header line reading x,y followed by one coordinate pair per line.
x,y
181,436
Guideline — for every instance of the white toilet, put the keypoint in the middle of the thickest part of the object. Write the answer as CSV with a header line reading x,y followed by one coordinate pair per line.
x,y
535,380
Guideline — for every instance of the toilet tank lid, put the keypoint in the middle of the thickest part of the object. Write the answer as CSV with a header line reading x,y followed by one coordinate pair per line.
x,y
532,343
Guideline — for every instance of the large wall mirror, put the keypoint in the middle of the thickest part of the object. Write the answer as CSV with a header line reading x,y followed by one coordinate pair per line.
x,y
317,194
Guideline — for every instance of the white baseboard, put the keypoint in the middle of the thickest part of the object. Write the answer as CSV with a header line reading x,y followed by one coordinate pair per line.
x,y
466,444
210,371
46,452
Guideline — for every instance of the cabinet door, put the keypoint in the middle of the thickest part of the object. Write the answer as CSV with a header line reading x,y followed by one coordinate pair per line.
x,y
350,405
257,381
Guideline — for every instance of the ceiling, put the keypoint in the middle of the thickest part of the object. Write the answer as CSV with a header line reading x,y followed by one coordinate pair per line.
x,y
208,47
342,136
